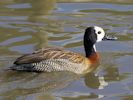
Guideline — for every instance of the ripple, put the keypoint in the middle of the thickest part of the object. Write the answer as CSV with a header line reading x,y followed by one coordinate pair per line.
x,y
75,7
13,18
12,40
23,48
19,6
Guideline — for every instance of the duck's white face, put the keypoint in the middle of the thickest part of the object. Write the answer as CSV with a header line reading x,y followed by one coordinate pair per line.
x,y
99,32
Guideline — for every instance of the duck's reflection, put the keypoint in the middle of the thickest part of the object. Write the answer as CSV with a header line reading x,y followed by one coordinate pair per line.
x,y
92,81
95,81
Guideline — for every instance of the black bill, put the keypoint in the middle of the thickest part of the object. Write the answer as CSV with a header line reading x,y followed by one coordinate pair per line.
x,y
107,37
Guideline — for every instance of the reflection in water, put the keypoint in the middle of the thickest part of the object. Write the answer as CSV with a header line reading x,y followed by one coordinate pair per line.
x,y
26,25
95,82
84,97
39,10
91,78
29,83
42,7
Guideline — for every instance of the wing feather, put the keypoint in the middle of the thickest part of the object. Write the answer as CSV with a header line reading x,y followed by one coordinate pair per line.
x,y
49,53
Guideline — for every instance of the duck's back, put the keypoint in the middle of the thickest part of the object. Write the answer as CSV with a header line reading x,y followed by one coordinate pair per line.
x,y
51,59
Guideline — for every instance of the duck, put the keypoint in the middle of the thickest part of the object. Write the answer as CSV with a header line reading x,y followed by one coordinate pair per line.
x,y
50,59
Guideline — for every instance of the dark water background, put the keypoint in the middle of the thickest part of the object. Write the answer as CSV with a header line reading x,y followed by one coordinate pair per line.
x,y
27,25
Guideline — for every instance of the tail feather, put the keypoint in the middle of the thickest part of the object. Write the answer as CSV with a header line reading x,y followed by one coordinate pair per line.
x,y
23,67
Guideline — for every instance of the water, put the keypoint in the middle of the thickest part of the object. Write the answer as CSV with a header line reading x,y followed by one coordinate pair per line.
x,y
27,25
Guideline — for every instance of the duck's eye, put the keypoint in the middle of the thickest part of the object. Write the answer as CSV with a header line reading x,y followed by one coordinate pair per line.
x,y
99,32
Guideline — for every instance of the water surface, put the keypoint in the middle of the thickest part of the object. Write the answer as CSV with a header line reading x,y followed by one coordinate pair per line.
x,y
29,25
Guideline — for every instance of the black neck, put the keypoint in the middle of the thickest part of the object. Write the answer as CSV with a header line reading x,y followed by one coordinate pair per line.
x,y
89,48
89,40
